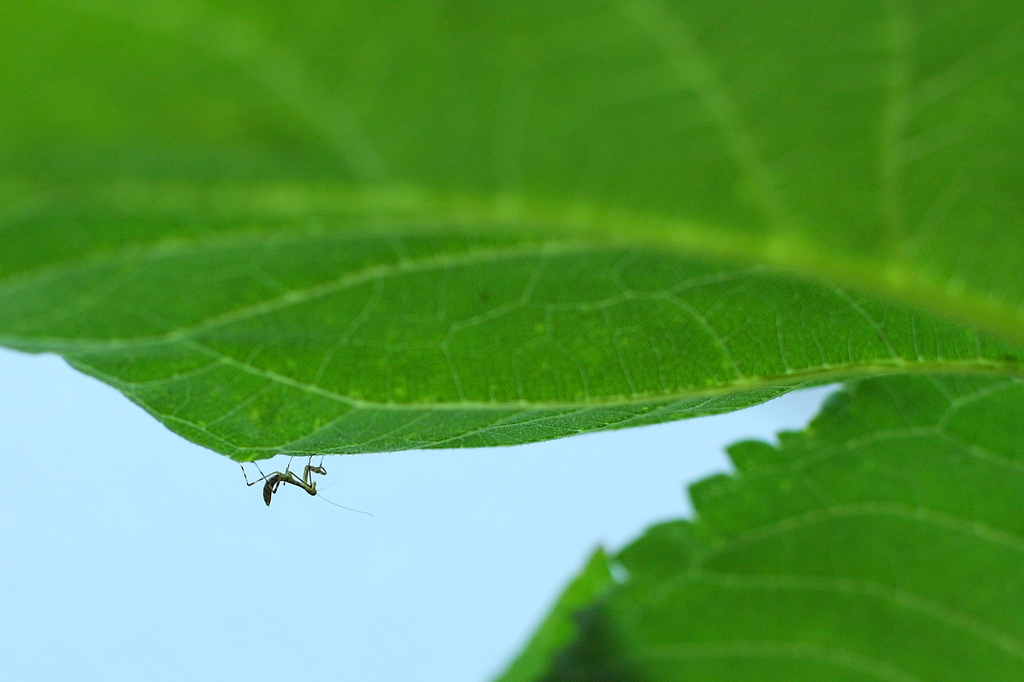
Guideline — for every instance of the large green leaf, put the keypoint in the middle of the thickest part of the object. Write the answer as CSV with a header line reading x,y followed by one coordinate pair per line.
x,y
884,543
341,227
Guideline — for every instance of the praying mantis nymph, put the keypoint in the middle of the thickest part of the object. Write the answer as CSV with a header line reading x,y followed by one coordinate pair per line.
x,y
274,480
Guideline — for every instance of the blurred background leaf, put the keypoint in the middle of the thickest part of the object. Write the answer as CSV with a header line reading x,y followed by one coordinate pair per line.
x,y
885,542
559,629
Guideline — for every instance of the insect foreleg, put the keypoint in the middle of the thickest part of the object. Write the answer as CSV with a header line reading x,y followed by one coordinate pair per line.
x,y
307,474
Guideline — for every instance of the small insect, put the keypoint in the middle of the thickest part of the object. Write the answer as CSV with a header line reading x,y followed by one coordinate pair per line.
x,y
273,481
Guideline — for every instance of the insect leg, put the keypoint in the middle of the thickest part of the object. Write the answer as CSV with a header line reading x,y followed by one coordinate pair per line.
x,y
261,478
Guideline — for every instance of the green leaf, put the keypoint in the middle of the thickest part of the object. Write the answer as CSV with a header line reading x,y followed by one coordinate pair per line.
x,y
886,542
347,227
559,628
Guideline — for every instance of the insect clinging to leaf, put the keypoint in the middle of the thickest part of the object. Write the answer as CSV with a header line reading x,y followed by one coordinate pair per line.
x,y
272,482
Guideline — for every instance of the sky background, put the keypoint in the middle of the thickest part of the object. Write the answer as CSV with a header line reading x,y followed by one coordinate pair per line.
x,y
128,553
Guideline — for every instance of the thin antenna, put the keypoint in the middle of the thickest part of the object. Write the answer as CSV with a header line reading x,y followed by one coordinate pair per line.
x,y
358,511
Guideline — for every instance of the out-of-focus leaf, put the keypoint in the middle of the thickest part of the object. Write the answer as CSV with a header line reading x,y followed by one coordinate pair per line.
x,y
559,628
884,543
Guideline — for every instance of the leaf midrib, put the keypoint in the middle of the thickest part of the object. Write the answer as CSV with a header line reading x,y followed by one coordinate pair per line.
x,y
392,209
832,374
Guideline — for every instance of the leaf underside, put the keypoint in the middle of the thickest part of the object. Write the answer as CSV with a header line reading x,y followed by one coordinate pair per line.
x,y
306,227
392,354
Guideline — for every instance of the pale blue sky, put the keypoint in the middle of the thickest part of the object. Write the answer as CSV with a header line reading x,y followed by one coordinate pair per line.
x,y
131,554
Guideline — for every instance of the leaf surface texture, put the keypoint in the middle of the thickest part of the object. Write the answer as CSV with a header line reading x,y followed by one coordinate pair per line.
x,y
348,227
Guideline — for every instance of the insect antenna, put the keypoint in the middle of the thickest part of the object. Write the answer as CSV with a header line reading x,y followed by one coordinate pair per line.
x,y
358,511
